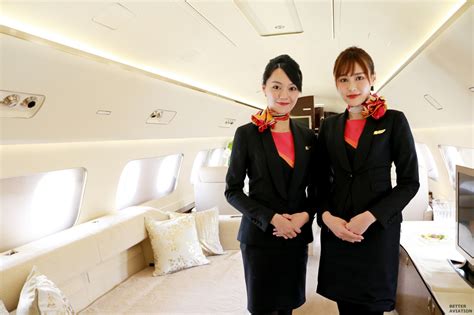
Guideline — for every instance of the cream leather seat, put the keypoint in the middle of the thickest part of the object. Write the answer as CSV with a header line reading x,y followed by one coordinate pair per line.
x,y
418,208
209,190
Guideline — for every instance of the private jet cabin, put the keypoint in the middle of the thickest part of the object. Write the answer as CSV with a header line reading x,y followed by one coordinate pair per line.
x,y
118,116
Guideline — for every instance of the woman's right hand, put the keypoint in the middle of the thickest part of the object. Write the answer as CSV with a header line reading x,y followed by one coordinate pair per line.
x,y
338,228
284,227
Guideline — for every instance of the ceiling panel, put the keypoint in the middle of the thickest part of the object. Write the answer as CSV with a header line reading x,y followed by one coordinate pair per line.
x,y
171,37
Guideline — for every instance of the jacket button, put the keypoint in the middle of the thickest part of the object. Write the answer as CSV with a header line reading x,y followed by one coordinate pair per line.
x,y
350,175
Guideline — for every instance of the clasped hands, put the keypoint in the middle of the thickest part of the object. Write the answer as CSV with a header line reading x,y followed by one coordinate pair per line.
x,y
349,231
289,225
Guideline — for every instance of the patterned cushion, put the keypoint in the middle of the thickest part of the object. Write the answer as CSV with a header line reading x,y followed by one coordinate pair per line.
x,y
40,295
207,224
175,244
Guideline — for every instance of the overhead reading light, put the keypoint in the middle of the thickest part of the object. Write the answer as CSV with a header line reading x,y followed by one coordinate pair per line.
x,y
227,123
282,18
471,88
433,102
11,100
161,117
19,104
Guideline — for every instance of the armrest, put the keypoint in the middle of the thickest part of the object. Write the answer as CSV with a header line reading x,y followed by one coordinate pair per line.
x,y
228,229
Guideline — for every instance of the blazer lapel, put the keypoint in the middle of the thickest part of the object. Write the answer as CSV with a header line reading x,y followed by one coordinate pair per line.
x,y
274,163
301,157
339,142
365,141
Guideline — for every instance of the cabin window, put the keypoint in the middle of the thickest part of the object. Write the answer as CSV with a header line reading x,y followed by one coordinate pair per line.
x,y
147,179
453,156
425,157
38,205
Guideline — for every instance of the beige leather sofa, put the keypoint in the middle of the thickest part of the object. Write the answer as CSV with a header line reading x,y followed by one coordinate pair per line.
x,y
90,259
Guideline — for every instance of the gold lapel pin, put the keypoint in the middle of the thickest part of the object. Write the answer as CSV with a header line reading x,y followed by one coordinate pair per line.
x,y
377,132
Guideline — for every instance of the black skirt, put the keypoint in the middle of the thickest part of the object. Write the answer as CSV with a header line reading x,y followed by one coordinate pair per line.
x,y
275,277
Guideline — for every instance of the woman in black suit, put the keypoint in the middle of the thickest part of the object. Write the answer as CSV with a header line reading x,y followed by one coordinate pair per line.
x,y
360,211
275,153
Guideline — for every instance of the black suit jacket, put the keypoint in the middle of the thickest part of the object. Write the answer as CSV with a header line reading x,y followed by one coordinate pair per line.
x,y
255,154
368,182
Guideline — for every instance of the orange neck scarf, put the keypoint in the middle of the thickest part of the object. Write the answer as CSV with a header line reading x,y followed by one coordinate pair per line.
x,y
264,119
375,106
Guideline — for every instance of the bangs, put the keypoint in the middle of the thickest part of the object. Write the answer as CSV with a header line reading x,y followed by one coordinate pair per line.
x,y
345,65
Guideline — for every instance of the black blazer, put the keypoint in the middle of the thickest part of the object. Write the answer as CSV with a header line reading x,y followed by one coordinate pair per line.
x,y
368,182
255,154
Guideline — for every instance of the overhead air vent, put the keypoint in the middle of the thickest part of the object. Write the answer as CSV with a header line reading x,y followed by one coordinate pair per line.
x,y
114,16
19,104
278,17
161,117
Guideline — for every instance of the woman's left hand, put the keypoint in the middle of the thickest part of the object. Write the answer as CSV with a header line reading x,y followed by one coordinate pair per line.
x,y
361,222
298,219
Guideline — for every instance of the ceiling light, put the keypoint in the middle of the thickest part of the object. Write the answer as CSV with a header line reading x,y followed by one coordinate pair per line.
x,y
281,18
433,102
37,34
103,112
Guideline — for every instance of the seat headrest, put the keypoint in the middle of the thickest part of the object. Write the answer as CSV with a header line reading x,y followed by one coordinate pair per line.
x,y
212,174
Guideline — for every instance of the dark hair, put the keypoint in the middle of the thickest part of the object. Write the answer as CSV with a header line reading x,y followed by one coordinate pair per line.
x,y
346,61
289,66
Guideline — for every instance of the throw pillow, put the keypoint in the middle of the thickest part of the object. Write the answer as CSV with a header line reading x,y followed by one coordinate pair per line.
x,y
175,244
40,295
207,225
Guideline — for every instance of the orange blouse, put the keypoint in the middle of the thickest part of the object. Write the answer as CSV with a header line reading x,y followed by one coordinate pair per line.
x,y
285,146
353,131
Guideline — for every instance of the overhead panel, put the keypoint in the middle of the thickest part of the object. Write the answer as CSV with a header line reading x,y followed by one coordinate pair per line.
x,y
277,17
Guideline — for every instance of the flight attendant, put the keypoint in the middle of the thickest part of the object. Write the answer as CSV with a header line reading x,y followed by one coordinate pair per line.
x,y
361,212
275,153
